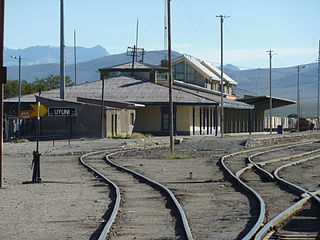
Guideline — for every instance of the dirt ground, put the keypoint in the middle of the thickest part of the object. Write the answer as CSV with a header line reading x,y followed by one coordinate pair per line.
x,y
70,202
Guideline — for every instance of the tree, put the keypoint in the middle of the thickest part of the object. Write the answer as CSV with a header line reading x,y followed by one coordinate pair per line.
x,y
11,89
51,82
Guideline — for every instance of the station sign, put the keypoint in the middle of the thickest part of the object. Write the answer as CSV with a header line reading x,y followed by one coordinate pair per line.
x,y
42,110
27,114
61,112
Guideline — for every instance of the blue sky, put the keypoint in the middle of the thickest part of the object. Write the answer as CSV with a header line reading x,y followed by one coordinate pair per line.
x,y
289,27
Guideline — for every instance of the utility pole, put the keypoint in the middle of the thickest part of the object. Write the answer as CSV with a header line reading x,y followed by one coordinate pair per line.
x,y
19,93
221,83
318,88
102,108
170,78
270,89
165,32
137,38
62,66
75,56
3,80
298,100
298,96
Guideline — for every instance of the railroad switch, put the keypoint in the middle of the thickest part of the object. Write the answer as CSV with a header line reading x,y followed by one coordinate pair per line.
x,y
36,167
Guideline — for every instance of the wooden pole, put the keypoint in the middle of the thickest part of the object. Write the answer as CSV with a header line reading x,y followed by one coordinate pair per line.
x,y
170,79
62,62
3,80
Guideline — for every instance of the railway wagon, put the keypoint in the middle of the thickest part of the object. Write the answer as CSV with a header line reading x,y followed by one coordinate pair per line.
x,y
285,122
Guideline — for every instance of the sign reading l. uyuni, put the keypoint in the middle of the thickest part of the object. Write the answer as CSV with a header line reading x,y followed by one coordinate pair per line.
x,y
64,112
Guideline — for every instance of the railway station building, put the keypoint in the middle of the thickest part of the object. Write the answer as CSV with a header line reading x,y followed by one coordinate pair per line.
x,y
136,100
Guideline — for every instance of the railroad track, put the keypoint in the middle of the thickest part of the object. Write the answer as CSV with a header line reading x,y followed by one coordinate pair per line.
x,y
141,208
301,220
263,186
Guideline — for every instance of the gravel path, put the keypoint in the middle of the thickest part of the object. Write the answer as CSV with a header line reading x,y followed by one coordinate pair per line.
x,y
70,202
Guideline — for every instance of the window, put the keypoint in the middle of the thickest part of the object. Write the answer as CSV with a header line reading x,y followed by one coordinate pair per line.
x,y
132,118
178,71
165,122
194,77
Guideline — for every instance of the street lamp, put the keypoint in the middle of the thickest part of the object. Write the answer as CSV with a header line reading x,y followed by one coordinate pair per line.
x,y
298,95
19,98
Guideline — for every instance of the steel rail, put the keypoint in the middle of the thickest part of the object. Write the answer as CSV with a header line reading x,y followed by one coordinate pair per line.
x,y
236,177
281,217
158,185
261,218
295,186
107,227
259,165
307,195
289,157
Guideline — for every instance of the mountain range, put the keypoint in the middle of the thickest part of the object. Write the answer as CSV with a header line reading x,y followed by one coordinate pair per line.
x,y
284,81
86,71
47,54
253,82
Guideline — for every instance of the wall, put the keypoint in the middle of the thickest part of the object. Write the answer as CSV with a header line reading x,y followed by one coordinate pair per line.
x,y
87,122
184,120
148,119
119,122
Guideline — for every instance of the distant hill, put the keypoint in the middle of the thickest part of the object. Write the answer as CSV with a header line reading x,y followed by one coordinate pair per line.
x,y
284,81
284,85
46,54
250,82
231,67
86,71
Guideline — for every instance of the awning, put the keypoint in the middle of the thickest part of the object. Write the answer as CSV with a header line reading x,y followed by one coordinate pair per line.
x,y
263,102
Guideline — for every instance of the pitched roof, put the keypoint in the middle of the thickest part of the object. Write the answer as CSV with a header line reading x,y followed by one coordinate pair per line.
x,y
213,95
206,69
137,65
124,89
198,67
217,71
